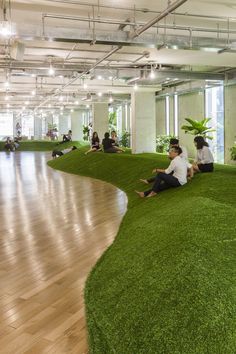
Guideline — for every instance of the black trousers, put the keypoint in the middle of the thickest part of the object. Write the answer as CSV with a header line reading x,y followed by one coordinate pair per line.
x,y
56,153
163,181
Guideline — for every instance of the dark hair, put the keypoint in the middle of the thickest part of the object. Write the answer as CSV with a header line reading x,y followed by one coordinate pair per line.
x,y
176,149
200,141
70,131
106,135
95,139
74,148
113,131
174,141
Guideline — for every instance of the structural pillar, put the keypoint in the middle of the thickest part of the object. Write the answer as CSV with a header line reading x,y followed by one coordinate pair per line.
x,y
37,127
143,130
100,118
77,125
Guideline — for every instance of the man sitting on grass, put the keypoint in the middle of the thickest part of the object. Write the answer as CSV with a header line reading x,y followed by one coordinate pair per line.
x,y
174,176
57,153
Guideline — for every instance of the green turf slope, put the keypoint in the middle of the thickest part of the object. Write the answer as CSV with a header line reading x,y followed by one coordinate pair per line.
x,y
40,145
168,282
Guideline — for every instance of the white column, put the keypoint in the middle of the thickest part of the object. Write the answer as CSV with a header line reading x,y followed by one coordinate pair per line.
x,y
128,115
63,124
143,122
100,119
77,125
123,125
37,127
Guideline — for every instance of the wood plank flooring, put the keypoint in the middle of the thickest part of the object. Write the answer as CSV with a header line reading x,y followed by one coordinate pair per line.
x,y
53,228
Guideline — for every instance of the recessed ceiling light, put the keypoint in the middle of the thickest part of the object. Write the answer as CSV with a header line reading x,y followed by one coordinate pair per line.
x,y
135,86
99,77
99,94
51,70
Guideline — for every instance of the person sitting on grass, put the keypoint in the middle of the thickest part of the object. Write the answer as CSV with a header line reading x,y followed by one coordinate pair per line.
x,y
204,159
94,143
66,137
174,176
114,137
175,142
9,145
58,153
108,145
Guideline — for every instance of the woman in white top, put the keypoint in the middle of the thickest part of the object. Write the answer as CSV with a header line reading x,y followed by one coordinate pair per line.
x,y
174,176
204,159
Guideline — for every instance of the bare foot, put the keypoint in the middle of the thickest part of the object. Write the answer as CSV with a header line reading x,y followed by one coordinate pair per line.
x,y
141,194
152,194
144,181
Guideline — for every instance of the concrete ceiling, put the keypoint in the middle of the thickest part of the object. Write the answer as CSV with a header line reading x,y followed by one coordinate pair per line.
x,y
93,47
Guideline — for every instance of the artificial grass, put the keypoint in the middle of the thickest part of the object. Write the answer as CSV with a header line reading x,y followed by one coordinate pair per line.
x,y
168,283
39,145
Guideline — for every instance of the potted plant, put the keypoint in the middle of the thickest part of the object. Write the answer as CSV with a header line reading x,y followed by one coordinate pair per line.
x,y
125,139
233,152
162,143
198,127
86,132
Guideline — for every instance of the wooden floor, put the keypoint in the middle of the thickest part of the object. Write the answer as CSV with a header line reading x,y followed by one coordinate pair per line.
x,y
53,228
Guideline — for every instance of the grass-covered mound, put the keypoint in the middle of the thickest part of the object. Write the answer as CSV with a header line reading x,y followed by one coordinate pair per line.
x,y
40,145
168,282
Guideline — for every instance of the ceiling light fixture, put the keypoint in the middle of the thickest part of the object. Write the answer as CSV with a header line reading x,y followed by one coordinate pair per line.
x,y
152,73
100,94
33,93
51,70
99,77
135,86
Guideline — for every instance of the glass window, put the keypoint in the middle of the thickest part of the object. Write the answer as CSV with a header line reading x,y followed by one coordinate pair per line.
x,y
214,109
176,130
6,125
27,126
167,115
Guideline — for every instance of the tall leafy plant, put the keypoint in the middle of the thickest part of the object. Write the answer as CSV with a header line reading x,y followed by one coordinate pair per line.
x,y
198,127
112,121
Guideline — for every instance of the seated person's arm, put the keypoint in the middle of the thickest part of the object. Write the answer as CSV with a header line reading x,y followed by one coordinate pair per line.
x,y
157,170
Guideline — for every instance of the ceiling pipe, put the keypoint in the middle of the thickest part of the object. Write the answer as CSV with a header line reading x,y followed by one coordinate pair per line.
x,y
58,91
143,10
162,15
137,33
133,24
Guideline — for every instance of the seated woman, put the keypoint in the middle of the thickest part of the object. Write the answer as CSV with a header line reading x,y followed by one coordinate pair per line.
x,y
204,159
114,137
58,153
94,143
174,176
108,145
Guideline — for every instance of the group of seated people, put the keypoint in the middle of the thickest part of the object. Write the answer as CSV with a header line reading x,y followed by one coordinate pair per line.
x,y
179,170
109,144
11,144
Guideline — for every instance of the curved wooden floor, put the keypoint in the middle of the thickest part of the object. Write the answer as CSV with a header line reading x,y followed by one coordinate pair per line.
x,y
53,228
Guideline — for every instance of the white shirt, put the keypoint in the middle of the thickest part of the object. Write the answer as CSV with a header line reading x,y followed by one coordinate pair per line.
x,y
179,166
204,156
184,156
